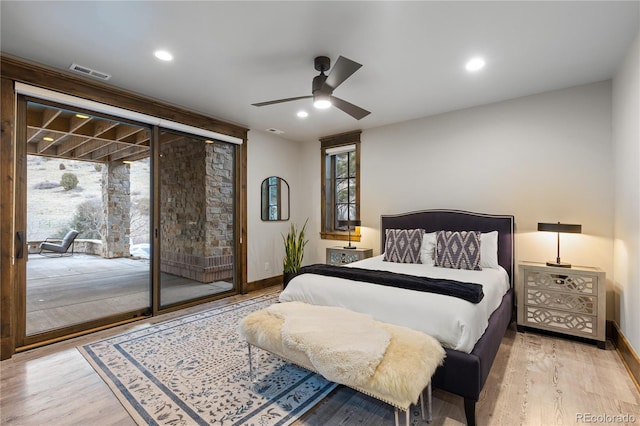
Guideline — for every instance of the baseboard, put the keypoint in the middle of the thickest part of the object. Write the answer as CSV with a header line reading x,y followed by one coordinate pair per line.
x,y
629,357
264,283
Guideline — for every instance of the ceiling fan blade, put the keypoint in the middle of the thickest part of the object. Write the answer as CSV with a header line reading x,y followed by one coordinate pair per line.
x,y
351,109
281,100
342,69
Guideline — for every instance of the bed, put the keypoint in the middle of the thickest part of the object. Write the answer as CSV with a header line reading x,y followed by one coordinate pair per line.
x,y
468,358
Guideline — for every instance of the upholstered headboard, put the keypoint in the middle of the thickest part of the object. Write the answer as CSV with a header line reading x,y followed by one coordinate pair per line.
x,y
458,220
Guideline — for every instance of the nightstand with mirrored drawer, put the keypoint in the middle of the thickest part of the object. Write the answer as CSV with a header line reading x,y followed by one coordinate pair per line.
x,y
341,255
564,300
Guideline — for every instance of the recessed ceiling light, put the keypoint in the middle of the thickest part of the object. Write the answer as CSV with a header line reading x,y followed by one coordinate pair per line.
x,y
82,116
302,114
48,139
475,64
163,55
209,141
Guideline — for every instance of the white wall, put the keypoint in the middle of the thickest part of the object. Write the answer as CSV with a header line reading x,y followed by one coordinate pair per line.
x,y
626,153
542,158
269,155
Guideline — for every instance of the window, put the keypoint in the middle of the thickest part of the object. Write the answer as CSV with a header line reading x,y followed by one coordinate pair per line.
x,y
273,198
340,184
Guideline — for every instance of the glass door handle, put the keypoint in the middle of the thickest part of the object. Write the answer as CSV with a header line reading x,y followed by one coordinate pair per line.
x,y
20,242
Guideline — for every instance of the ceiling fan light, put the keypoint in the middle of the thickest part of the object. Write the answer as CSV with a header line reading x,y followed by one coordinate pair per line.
x,y
322,104
321,100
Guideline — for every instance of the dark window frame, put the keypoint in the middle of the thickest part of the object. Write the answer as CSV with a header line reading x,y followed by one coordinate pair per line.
x,y
329,230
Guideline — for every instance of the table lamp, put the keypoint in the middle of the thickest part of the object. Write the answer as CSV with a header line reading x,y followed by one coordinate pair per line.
x,y
558,228
350,224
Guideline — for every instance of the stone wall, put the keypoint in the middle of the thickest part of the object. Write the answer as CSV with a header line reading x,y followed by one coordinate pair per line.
x,y
196,209
116,204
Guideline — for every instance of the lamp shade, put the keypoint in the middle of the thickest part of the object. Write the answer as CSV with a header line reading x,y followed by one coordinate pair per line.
x,y
349,223
560,227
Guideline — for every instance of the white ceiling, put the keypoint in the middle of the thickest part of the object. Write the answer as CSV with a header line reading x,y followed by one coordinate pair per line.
x,y
229,55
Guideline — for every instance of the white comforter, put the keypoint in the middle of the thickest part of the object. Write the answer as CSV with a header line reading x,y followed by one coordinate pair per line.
x,y
454,322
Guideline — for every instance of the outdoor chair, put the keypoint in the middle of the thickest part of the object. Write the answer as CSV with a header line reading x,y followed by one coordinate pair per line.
x,y
61,248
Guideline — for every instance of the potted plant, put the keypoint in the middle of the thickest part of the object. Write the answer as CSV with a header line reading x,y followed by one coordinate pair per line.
x,y
294,244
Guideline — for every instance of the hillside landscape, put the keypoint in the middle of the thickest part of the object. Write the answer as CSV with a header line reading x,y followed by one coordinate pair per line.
x,y
51,208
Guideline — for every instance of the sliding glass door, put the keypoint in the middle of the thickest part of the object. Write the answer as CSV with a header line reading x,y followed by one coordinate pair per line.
x,y
88,180
95,188
196,206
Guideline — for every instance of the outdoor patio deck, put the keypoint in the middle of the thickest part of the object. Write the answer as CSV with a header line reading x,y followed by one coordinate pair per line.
x,y
62,291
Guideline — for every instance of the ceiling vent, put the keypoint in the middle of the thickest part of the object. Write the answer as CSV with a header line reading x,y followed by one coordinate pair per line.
x,y
89,72
276,131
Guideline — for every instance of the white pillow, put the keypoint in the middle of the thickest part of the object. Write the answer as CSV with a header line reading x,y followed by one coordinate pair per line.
x,y
488,249
428,249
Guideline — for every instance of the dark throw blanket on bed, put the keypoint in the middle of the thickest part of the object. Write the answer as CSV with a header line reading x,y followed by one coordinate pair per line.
x,y
470,292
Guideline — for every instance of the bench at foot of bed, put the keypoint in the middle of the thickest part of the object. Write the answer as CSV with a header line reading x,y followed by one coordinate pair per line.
x,y
398,376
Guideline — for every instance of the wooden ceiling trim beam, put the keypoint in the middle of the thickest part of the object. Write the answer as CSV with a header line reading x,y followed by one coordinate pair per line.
x,y
143,139
48,116
38,135
78,143
140,138
112,148
89,147
137,151
60,124
133,139
123,131
75,123
50,132
71,143
32,133
102,128
31,150
98,143
90,130
87,131
137,157
43,145
35,119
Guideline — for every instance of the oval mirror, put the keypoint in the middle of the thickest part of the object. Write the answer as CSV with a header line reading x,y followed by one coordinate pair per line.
x,y
275,199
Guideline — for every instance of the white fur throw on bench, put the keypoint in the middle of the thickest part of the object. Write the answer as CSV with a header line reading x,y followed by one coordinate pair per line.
x,y
391,363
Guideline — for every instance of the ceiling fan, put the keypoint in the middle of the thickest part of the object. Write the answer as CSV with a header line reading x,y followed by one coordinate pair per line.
x,y
324,85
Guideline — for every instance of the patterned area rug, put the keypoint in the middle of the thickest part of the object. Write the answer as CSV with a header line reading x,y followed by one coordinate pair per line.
x,y
194,370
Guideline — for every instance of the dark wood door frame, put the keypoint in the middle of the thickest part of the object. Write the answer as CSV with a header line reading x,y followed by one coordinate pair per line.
x,y
16,70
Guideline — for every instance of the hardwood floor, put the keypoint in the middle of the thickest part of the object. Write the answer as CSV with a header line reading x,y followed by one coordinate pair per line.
x,y
535,380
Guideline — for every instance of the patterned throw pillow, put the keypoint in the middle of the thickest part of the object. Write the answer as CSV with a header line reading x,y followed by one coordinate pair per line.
x,y
458,250
403,245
